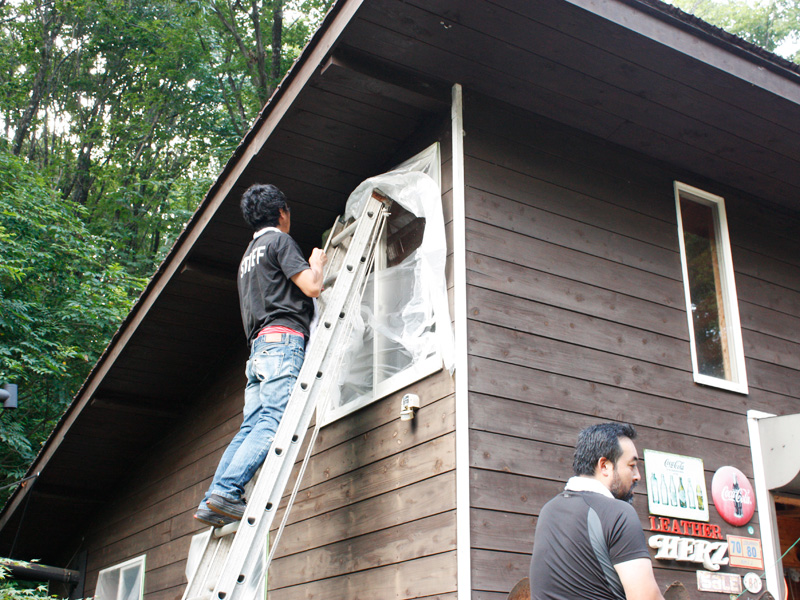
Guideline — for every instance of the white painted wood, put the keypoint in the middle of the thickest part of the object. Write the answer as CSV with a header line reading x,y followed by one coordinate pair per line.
x,y
767,518
463,501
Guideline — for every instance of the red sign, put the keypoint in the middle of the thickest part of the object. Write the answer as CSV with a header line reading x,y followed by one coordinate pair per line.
x,y
682,527
733,496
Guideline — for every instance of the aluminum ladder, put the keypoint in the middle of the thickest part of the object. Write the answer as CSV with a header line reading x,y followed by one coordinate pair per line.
x,y
234,553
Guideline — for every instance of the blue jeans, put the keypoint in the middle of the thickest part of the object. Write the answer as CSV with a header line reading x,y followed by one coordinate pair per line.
x,y
271,371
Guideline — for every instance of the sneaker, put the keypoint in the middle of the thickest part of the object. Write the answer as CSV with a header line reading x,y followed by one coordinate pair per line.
x,y
209,517
233,509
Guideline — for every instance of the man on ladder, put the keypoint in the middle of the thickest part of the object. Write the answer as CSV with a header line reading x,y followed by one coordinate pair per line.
x,y
276,287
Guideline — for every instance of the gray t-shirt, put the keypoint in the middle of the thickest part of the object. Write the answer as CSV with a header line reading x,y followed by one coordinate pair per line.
x,y
580,536
267,295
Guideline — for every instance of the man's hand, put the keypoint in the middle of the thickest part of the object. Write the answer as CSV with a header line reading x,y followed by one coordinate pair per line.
x,y
310,280
638,580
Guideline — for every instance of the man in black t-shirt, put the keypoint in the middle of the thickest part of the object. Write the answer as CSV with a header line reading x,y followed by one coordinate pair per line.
x,y
276,287
589,542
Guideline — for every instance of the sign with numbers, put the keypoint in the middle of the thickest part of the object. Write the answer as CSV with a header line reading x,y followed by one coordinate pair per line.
x,y
745,552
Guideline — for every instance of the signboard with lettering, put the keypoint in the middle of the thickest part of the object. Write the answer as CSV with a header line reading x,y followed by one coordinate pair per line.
x,y
745,552
733,496
723,583
676,486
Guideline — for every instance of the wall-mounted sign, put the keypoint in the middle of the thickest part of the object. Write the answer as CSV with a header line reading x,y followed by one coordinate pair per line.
x,y
733,496
753,582
682,527
724,583
676,486
745,552
710,554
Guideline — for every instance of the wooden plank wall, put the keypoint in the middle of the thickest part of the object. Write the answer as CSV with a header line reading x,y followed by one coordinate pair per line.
x,y
152,514
576,315
375,516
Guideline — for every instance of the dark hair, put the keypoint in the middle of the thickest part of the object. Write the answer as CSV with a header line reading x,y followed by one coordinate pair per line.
x,y
599,441
261,205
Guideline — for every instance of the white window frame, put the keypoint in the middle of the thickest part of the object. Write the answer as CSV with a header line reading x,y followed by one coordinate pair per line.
x,y
413,373
738,381
133,563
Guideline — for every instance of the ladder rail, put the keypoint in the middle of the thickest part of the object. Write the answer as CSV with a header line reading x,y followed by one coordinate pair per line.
x,y
354,304
230,577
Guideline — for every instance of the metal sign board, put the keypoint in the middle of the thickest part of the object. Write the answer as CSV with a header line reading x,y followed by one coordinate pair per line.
x,y
676,485
721,583
745,552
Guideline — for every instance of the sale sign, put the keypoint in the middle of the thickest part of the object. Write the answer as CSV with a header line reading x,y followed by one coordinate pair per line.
x,y
733,496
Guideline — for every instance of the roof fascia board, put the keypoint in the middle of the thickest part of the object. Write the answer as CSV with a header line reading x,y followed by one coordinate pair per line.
x,y
312,58
666,29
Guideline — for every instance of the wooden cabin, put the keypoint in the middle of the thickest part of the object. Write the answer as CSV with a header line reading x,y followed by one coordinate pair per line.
x,y
596,159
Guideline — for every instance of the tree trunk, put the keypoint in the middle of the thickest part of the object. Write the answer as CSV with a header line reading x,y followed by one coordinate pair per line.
x,y
277,43
51,25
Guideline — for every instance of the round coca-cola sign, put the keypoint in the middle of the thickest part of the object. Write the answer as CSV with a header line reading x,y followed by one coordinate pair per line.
x,y
733,496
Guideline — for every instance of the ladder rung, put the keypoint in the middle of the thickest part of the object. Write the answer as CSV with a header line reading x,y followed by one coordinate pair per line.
x,y
343,234
228,529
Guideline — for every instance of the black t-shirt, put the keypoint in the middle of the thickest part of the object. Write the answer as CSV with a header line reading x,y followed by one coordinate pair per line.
x,y
267,295
580,536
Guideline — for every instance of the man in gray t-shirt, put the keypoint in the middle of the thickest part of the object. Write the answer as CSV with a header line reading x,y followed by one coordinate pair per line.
x,y
589,542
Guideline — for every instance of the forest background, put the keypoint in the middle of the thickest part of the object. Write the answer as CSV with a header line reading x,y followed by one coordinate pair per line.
x,y
115,118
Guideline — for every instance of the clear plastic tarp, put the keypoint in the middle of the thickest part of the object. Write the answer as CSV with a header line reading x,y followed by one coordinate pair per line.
x,y
404,329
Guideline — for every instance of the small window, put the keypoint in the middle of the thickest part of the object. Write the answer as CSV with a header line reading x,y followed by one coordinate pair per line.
x,y
122,582
711,304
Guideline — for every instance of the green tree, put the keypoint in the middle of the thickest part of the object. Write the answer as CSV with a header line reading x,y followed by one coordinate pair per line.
x,y
61,297
765,23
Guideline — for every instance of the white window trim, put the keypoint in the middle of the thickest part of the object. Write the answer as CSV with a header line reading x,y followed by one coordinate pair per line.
x,y
139,561
730,300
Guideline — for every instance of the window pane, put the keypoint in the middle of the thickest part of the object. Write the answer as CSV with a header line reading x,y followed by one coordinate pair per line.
x,y
397,327
705,289
130,582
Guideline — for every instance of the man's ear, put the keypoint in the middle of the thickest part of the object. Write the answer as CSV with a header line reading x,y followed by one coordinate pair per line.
x,y
604,467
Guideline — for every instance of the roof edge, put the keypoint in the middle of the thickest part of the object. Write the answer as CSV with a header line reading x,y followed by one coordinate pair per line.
x,y
719,36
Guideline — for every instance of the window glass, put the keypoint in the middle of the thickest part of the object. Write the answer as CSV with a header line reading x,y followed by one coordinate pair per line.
x,y
717,356
121,582
397,326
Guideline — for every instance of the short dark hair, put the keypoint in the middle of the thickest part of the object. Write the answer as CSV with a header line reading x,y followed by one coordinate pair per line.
x,y
261,205
599,441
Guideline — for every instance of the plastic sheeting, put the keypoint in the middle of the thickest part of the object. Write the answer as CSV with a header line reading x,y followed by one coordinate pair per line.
x,y
412,323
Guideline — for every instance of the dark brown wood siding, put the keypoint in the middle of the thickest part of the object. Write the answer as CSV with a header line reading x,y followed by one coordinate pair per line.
x,y
576,315
376,510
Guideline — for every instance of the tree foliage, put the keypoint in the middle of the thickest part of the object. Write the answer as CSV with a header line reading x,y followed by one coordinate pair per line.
x,y
61,297
765,23
115,116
